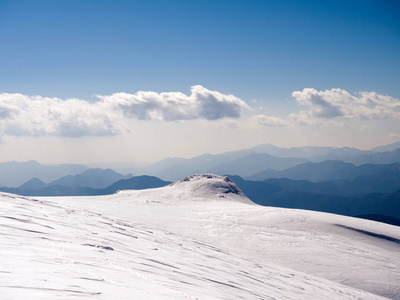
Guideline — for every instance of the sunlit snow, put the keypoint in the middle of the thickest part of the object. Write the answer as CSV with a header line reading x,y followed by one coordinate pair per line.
x,y
199,238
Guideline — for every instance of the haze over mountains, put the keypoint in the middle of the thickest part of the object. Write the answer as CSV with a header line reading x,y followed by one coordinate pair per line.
x,y
251,161
324,171
245,162
89,182
13,174
316,178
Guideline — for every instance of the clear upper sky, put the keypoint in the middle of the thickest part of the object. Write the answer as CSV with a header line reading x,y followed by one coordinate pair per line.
x,y
259,51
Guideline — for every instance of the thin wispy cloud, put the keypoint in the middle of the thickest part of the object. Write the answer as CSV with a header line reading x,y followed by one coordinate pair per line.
x,y
270,121
22,115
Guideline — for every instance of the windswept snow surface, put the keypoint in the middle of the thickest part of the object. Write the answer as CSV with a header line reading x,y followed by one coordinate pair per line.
x,y
199,238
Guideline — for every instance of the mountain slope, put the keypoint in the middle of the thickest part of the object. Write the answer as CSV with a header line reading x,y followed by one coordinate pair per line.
x,y
51,251
380,218
306,241
33,184
389,147
255,190
135,183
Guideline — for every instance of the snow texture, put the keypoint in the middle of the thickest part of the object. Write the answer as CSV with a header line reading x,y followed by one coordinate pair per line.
x,y
199,238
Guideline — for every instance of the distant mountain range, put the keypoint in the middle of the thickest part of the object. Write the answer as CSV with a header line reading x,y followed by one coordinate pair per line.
x,y
244,163
264,158
93,178
74,185
298,194
13,174
345,181
383,204
311,153
323,171
389,147
336,178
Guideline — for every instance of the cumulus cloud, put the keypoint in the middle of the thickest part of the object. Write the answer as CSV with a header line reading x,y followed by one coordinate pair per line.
x,y
270,121
35,115
332,107
23,115
171,106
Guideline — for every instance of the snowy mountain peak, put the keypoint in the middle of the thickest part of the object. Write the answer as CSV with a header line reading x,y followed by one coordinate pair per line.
x,y
195,188
210,184
213,182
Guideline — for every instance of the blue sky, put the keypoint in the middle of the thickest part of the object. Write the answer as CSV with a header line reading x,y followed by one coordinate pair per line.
x,y
259,51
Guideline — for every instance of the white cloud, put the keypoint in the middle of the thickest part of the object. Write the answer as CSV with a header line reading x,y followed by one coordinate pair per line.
x,y
35,115
171,106
270,121
332,107
22,115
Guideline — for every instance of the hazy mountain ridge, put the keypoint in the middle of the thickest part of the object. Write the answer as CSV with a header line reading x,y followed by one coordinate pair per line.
x,y
244,166
303,195
14,173
250,161
135,182
387,157
384,204
240,162
323,171
33,184
311,153
244,162
389,147
385,179
329,186
93,178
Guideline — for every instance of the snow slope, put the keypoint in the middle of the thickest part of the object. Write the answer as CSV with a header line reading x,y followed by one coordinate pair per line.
x,y
200,238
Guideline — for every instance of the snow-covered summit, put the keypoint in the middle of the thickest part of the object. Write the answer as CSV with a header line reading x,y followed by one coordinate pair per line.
x,y
209,183
198,188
